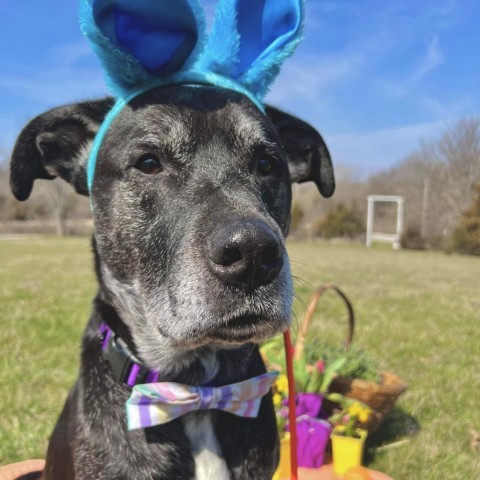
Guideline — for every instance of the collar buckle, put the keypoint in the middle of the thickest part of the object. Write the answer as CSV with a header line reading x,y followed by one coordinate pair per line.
x,y
126,367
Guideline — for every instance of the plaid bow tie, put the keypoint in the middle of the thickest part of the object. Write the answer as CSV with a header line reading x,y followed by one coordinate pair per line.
x,y
156,403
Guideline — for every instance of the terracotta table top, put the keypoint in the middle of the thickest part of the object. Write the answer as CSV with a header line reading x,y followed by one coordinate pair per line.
x,y
326,473
15,470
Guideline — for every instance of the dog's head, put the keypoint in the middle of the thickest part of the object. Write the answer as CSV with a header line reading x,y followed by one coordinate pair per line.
x,y
191,204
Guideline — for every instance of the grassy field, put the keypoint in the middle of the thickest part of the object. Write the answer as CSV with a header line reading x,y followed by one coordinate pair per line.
x,y
418,314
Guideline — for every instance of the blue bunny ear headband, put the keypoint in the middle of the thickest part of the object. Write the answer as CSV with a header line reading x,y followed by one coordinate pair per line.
x,y
144,44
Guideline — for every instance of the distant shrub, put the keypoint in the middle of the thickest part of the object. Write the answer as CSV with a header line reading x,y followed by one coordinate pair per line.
x,y
342,221
466,237
412,239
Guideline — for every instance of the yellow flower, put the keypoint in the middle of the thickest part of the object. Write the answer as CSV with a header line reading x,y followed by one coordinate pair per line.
x,y
282,383
277,400
364,415
355,409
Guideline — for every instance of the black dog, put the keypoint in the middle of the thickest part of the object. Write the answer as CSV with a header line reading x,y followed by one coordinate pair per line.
x,y
191,205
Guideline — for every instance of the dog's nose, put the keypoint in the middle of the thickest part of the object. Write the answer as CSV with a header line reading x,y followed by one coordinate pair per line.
x,y
244,253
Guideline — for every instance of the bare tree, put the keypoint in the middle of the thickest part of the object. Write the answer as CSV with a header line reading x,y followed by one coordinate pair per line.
x,y
457,154
62,201
436,180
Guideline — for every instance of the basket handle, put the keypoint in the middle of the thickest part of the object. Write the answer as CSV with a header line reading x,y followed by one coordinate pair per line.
x,y
307,318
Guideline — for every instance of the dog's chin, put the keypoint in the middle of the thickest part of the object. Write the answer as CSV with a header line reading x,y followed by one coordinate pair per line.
x,y
245,329
233,332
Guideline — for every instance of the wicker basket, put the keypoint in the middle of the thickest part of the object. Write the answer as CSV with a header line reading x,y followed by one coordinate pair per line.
x,y
380,397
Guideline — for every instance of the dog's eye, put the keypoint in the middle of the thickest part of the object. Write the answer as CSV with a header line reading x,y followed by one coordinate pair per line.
x,y
266,165
149,165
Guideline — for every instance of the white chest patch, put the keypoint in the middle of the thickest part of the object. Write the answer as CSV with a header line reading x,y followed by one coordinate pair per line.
x,y
209,462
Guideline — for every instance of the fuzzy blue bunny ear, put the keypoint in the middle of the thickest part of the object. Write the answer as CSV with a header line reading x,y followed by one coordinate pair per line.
x,y
250,40
138,41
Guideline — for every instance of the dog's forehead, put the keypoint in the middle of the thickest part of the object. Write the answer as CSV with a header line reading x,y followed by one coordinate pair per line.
x,y
189,113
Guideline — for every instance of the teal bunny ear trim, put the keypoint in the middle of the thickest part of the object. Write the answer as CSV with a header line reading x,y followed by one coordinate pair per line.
x,y
138,41
196,79
250,40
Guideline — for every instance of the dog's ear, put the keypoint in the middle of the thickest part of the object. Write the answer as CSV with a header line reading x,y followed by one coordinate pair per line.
x,y
56,144
308,155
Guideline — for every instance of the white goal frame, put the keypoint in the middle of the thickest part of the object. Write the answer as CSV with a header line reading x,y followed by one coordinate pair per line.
x,y
385,237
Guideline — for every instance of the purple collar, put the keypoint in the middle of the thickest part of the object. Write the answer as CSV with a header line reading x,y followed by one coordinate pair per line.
x,y
126,367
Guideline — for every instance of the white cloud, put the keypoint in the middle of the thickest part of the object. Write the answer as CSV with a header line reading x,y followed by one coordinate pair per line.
x,y
312,75
70,53
432,59
314,78
373,151
461,105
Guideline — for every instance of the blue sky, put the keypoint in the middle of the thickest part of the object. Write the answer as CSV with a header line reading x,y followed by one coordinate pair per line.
x,y
374,76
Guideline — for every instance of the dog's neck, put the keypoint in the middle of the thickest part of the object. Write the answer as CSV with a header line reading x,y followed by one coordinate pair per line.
x,y
206,365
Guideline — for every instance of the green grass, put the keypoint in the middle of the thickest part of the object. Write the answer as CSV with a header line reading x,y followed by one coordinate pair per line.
x,y
46,288
417,313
